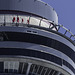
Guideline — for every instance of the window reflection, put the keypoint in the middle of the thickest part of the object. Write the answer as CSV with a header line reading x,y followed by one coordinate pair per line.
x,y
1,67
9,18
19,20
15,67
1,18
23,19
44,23
11,66
34,21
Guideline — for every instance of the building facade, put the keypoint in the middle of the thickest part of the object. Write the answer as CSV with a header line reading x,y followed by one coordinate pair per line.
x,y
31,42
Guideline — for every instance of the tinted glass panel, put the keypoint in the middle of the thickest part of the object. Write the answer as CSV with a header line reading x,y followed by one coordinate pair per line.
x,y
31,53
25,68
1,67
20,67
68,65
31,38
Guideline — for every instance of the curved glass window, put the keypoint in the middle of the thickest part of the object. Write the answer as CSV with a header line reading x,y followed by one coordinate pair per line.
x,y
19,20
11,66
9,18
41,70
1,67
68,65
34,21
15,67
20,67
45,23
37,39
30,53
23,19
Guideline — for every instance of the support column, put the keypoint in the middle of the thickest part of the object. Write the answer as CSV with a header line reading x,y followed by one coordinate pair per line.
x,y
28,68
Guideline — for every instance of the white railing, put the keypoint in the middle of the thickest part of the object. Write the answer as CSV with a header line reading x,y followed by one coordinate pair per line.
x,y
67,31
22,21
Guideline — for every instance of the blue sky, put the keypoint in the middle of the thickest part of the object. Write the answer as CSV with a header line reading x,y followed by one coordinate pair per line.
x,y
66,12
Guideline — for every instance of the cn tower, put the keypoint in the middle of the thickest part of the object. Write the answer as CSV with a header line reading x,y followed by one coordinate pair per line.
x,y
31,40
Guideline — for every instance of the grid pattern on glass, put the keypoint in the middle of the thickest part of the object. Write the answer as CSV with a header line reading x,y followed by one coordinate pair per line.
x,y
22,68
15,67
11,66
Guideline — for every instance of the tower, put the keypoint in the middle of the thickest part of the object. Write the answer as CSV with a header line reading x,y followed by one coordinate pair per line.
x,y
30,41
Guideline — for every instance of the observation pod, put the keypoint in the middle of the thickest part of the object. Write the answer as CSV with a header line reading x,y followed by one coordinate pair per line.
x,y
31,41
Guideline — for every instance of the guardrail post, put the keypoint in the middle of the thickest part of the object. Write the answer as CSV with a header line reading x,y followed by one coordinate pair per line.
x,y
40,22
65,32
71,36
58,27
